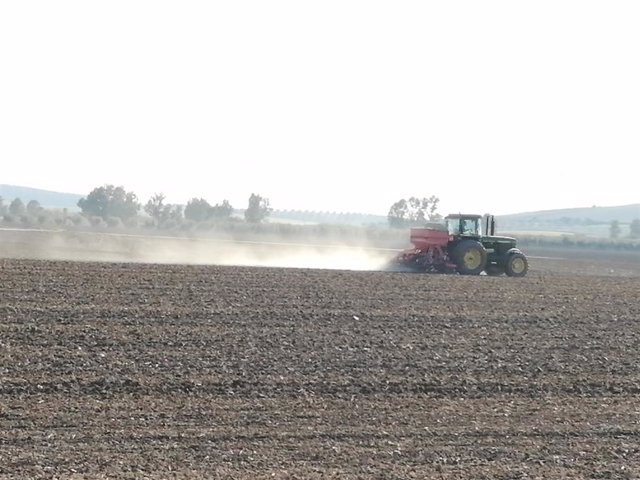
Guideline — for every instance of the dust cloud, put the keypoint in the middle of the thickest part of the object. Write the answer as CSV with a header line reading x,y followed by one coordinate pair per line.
x,y
109,247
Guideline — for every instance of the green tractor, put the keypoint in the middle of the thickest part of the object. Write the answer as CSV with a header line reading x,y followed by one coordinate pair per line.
x,y
462,245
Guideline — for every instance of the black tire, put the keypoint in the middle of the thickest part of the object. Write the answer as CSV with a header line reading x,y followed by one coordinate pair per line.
x,y
494,270
517,265
470,257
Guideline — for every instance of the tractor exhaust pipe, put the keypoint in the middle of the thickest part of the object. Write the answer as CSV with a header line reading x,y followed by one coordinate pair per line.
x,y
490,225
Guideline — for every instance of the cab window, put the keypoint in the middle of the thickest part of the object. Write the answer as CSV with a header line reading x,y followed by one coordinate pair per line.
x,y
469,227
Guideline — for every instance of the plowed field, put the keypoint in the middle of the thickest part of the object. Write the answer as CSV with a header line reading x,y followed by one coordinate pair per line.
x,y
117,370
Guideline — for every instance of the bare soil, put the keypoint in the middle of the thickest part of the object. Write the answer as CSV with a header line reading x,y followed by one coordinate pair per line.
x,y
124,370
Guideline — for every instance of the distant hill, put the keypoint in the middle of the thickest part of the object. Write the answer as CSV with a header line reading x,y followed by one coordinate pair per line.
x,y
568,218
573,216
46,198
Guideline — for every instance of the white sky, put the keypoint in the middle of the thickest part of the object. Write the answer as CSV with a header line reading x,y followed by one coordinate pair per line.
x,y
493,106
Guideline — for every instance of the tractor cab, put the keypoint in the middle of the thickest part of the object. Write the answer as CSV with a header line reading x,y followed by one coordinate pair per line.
x,y
460,225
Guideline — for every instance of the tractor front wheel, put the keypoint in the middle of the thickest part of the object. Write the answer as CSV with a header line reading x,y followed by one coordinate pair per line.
x,y
517,265
470,257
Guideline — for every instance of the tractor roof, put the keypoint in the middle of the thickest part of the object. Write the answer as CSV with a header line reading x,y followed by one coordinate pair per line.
x,y
463,215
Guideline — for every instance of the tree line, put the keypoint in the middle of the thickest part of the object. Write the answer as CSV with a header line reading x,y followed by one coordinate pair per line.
x,y
17,207
112,206
615,229
413,211
109,201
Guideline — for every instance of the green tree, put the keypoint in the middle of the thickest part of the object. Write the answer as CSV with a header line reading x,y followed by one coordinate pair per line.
x,y
124,205
614,229
16,207
109,201
258,209
413,211
172,213
398,213
634,228
34,208
155,207
197,209
222,211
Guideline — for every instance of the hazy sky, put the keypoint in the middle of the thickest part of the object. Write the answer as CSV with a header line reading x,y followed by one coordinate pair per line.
x,y
493,106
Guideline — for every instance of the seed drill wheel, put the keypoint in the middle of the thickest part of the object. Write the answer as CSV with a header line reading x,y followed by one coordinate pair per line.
x,y
470,257
517,265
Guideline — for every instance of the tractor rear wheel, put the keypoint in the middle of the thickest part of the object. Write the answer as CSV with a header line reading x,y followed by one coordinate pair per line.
x,y
470,257
517,265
